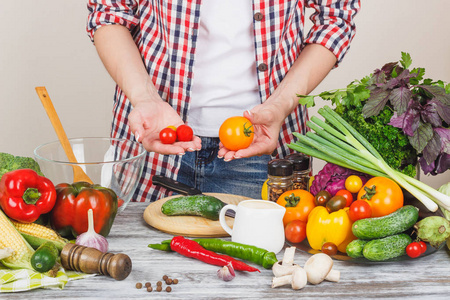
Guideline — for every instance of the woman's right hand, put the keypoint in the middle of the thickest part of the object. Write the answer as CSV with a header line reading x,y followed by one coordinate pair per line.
x,y
148,118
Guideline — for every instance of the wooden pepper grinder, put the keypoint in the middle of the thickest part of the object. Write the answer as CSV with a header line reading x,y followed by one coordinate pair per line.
x,y
92,261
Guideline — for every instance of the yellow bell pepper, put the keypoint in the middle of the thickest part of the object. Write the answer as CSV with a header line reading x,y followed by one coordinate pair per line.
x,y
323,227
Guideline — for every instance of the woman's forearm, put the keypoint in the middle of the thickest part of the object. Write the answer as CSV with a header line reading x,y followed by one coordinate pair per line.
x,y
123,62
310,68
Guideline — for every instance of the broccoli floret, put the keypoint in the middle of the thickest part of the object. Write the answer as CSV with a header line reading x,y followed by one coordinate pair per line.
x,y
9,162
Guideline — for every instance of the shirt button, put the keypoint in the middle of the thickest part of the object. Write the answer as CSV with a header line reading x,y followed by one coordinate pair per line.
x,y
262,67
258,16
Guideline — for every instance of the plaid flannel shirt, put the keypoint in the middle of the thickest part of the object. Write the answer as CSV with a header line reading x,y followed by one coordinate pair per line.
x,y
166,31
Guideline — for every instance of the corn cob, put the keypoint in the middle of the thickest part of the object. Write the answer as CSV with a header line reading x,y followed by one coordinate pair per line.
x,y
11,238
37,234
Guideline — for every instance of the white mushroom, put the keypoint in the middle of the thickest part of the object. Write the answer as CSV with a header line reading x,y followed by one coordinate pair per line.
x,y
286,265
318,267
279,269
297,280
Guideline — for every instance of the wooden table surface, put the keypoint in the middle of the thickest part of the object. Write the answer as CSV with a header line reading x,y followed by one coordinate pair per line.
x,y
426,278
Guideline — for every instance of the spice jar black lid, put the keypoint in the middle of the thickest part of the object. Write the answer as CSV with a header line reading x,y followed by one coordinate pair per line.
x,y
300,161
280,167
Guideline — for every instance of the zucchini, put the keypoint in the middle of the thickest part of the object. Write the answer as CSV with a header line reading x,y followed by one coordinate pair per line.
x,y
196,205
398,221
387,248
44,258
355,248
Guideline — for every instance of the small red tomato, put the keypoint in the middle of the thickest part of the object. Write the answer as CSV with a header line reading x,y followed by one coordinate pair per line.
x,y
347,195
359,209
423,246
329,248
167,136
413,250
184,133
295,231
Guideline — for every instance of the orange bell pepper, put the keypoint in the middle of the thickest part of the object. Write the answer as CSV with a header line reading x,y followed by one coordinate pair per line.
x,y
334,227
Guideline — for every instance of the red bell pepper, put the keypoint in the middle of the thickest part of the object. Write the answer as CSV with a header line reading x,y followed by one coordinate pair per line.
x,y
25,195
70,215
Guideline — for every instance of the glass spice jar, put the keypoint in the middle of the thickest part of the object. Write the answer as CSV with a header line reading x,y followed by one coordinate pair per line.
x,y
280,178
301,170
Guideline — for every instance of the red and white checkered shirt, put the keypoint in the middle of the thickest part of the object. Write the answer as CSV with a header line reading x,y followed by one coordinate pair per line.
x,y
166,31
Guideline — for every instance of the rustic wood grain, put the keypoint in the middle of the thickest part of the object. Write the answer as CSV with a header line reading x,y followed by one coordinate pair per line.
x,y
425,278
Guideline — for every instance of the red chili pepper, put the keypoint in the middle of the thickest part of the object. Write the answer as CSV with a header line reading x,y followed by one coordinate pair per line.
x,y
24,195
190,248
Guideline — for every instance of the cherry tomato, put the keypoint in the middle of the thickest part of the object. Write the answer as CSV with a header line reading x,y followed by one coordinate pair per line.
x,y
336,203
167,136
359,209
414,250
383,194
347,195
322,198
329,248
236,133
184,133
353,183
423,246
298,203
295,231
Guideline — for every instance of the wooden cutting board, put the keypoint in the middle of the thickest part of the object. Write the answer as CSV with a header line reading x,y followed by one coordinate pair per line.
x,y
189,226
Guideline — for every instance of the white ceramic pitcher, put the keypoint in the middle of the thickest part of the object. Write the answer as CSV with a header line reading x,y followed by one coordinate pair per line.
x,y
257,222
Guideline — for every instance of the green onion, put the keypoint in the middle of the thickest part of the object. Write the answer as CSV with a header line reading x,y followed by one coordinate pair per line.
x,y
337,142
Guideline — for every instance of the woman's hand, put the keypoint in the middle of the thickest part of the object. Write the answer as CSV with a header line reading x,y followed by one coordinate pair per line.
x,y
148,118
267,120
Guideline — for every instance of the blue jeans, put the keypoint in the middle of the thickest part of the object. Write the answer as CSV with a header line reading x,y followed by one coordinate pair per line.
x,y
204,171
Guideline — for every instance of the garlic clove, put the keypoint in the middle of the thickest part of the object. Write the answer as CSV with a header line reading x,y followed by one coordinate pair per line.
x,y
226,273
91,238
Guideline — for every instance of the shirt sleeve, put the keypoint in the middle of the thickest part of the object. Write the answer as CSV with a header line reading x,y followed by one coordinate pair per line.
x,y
333,24
107,12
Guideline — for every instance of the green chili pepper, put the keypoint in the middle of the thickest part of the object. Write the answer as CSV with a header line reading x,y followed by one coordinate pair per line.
x,y
162,247
251,253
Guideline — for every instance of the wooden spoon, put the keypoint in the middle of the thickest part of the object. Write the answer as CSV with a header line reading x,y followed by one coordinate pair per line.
x,y
78,173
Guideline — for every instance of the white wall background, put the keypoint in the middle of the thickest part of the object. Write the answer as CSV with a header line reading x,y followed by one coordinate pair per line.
x,y
43,43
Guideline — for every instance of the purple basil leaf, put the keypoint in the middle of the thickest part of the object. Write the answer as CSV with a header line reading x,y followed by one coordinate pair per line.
x,y
376,102
426,168
399,98
438,93
432,149
430,115
397,121
442,109
442,163
444,134
388,68
379,77
421,137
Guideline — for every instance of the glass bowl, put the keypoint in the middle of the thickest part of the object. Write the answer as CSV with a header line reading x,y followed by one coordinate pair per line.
x,y
110,162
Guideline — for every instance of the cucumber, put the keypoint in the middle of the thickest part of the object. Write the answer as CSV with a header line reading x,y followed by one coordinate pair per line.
x,y
44,258
387,248
355,248
197,205
398,221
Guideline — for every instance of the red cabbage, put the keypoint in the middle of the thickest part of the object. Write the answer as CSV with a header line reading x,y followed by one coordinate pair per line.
x,y
332,179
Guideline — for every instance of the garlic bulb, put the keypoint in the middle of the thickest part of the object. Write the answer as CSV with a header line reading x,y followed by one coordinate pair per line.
x,y
90,238
226,273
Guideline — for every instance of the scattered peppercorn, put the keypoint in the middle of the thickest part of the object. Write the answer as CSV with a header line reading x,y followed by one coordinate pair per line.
x,y
159,288
165,277
168,289
159,283
139,285
149,289
148,284
169,281
175,281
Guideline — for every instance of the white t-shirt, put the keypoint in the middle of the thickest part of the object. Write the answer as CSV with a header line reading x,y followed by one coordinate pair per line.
x,y
225,82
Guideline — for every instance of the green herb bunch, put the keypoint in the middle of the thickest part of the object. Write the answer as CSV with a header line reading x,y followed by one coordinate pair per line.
x,y
404,116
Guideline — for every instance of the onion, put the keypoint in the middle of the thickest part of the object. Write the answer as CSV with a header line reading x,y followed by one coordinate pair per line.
x,y
90,238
